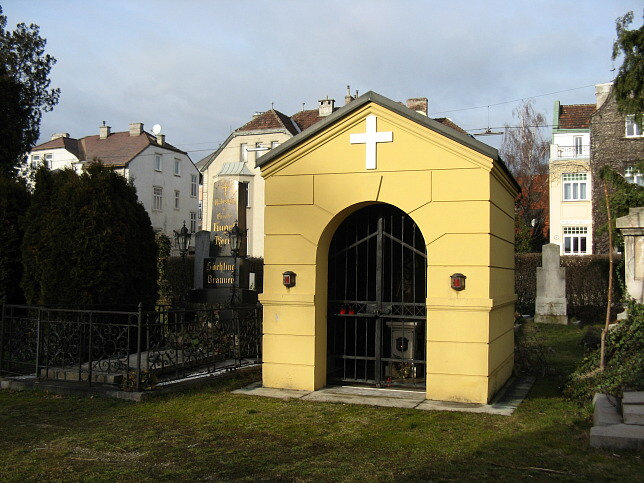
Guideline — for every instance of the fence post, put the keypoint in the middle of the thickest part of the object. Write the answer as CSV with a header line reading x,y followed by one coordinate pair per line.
x,y
2,338
138,346
89,350
38,344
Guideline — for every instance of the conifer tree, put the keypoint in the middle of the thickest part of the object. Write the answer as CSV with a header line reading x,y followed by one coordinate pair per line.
x,y
88,241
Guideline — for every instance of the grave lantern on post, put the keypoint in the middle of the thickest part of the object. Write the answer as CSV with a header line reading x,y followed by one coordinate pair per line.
x,y
182,238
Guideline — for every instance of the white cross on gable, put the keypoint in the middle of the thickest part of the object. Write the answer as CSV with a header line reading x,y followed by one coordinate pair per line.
x,y
370,138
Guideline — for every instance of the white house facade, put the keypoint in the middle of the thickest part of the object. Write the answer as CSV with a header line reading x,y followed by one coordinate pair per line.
x,y
570,179
165,178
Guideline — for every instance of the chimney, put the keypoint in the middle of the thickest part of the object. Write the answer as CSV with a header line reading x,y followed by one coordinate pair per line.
x,y
348,98
325,107
104,131
59,135
160,139
256,114
601,93
136,128
418,104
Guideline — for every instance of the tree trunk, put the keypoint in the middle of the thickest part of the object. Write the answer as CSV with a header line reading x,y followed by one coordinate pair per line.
x,y
602,360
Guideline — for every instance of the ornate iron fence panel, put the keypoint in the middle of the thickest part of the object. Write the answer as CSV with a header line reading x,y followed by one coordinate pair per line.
x,y
18,340
132,350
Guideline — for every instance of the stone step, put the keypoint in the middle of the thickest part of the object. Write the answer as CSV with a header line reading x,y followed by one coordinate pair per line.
x,y
606,412
633,413
633,397
617,436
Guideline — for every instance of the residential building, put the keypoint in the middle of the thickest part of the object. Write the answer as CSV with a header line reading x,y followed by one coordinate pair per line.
x,y
616,140
236,159
165,178
570,179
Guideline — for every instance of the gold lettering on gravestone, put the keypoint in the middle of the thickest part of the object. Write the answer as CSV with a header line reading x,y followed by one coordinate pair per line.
x,y
219,272
224,213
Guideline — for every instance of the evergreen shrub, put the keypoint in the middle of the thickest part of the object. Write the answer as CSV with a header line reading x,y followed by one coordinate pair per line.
x,y
88,242
14,202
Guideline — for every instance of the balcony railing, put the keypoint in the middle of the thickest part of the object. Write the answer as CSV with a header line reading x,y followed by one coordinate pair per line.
x,y
569,152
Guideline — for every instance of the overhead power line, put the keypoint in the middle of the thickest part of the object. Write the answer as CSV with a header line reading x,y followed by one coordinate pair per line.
x,y
514,100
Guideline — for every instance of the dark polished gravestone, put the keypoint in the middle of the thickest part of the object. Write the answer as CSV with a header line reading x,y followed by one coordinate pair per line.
x,y
221,278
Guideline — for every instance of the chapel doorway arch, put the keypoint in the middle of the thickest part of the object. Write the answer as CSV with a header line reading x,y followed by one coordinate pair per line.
x,y
376,313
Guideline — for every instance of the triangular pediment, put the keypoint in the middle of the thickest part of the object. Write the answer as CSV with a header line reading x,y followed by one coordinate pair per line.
x,y
417,142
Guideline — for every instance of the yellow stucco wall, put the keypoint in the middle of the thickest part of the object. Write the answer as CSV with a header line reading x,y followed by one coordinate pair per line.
x,y
463,204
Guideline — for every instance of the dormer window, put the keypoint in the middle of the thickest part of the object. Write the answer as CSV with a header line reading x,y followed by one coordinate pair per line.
x,y
633,129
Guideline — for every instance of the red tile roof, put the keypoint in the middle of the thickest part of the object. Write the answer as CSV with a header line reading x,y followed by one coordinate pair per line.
x,y
575,116
70,144
306,119
446,121
271,119
117,149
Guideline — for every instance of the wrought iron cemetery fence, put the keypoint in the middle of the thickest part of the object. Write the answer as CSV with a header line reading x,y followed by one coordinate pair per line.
x,y
134,350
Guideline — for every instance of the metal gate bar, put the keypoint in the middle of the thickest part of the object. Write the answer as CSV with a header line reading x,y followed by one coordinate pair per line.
x,y
385,291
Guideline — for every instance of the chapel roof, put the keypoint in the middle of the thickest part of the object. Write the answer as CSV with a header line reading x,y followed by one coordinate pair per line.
x,y
442,126
117,149
575,116
300,121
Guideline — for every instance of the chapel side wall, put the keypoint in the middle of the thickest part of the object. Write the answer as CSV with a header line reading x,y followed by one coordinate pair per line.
x,y
502,290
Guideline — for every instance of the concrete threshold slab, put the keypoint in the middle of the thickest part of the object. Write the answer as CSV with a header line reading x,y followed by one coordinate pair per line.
x,y
256,389
504,404
385,397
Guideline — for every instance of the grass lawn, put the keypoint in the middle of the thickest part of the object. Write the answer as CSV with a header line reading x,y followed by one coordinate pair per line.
x,y
212,434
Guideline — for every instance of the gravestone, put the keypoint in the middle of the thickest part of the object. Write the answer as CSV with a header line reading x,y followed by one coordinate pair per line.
x,y
550,306
219,276
632,227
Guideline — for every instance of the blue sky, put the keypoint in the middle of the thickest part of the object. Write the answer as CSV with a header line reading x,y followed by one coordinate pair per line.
x,y
201,68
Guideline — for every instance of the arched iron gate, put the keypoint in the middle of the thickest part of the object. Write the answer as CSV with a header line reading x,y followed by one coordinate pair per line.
x,y
377,294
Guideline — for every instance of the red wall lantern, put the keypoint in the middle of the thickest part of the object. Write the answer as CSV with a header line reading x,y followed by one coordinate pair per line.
x,y
458,281
288,279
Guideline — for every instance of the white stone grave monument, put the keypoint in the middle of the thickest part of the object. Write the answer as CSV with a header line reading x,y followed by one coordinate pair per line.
x,y
550,305
632,227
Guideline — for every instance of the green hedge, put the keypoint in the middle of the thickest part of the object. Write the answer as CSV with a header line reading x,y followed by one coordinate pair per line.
x,y
88,241
14,202
586,283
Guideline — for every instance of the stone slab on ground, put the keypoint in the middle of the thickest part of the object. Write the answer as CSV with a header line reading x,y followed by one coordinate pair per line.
x,y
617,436
508,399
368,396
256,389
504,404
63,387
606,410
613,430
